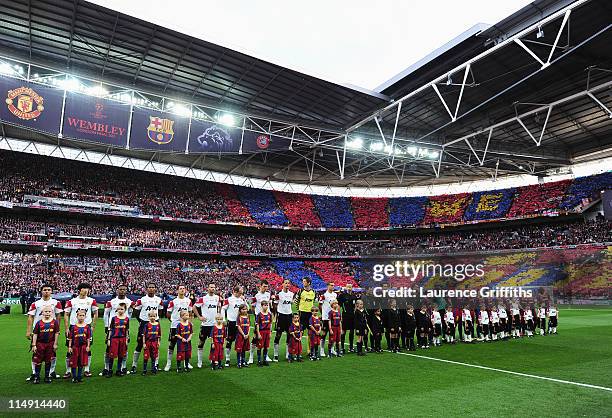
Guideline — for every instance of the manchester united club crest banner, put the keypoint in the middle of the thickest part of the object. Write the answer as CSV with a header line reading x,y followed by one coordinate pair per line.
x,y
96,119
31,105
206,137
257,142
158,131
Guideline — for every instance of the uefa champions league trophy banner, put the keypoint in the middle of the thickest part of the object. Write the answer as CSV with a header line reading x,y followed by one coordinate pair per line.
x,y
31,105
206,137
95,119
158,131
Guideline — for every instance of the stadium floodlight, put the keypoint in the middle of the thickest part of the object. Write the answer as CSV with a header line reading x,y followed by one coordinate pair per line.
x,y
376,146
226,119
356,143
434,155
412,151
96,91
181,110
6,69
72,84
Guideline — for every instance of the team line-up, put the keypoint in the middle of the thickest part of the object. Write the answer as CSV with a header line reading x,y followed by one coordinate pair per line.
x,y
227,321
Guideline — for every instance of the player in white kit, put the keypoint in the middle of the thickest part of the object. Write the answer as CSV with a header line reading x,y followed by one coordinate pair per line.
x,y
542,320
34,315
483,320
148,303
260,296
230,309
449,319
553,315
325,301
209,305
80,303
436,322
284,302
468,324
516,320
528,318
181,303
503,320
494,323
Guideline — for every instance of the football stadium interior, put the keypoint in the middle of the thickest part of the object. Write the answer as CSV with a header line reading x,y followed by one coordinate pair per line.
x,y
134,155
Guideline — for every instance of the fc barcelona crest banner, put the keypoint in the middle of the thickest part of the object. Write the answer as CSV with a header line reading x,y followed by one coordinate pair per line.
x,y
31,105
208,137
95,119
158,131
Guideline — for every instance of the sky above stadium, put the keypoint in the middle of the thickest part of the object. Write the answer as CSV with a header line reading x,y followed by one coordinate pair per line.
x,y
359,42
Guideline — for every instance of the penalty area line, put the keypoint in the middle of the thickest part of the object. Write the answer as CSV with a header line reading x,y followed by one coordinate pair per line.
x,y
533,376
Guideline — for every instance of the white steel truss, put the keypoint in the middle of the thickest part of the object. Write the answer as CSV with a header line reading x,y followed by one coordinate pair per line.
x,y
395,152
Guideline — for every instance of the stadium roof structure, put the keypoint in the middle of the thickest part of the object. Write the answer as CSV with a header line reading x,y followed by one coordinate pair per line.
x,y
531,94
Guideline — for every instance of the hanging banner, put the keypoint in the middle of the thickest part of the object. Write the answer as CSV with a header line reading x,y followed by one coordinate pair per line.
x,y
158,131
211,137
96,119
257,142
31,105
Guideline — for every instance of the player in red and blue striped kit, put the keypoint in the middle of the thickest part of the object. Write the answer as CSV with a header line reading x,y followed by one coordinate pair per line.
x,y
243,345
79,340
150,340
315,329
335,329
117,339
295,339
263,329
184,332
217,335
44,343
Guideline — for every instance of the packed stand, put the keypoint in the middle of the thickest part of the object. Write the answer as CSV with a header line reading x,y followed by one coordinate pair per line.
x,y
177,197
370,213
259,244
299,209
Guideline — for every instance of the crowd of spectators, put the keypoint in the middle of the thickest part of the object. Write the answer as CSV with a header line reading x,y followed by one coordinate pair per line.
x,y
258,243
179,197
538,198
21,272
370,213
298,209
262,206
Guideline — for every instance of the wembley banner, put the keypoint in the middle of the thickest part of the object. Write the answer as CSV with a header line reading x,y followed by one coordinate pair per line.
x,y
96,119
31,105
208,137
158,131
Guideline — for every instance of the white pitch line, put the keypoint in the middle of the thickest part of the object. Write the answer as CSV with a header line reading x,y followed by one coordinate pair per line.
x,y
567,382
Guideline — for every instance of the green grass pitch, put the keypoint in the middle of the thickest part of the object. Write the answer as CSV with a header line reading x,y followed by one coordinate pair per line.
x,y
376,385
